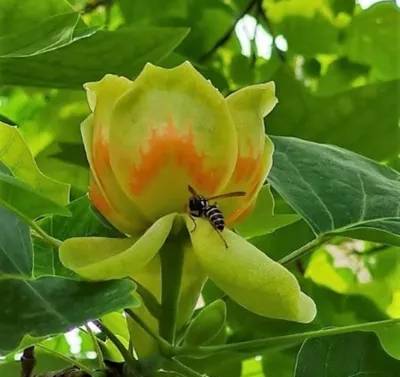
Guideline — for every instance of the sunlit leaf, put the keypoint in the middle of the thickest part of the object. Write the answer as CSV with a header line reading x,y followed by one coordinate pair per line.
x,y
15,154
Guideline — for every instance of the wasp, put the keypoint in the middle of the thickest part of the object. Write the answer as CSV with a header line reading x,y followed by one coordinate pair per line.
x,y
199,206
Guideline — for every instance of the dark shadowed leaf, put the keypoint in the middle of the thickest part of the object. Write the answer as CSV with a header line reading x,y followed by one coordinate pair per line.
x,y
83,223
336,190
24,201
15,246
353,354
51,305
123,52
364,119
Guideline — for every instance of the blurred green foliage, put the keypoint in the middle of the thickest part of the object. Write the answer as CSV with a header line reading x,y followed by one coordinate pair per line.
x,y
336,66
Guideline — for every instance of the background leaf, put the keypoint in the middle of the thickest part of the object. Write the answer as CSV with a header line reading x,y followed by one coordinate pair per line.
x,y
336,190
15,154
357,353
83,223
380,48
123,52
43,306
16,257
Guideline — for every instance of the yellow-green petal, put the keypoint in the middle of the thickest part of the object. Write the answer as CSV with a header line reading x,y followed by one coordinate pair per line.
x,y
99,258
249,277
248,107
104,191
171,127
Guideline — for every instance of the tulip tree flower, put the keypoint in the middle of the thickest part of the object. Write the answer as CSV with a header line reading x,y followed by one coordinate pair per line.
x,y
146,141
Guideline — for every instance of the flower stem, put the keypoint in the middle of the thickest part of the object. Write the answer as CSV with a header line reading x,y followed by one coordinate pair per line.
x,y
164,345
171,256
256,346
316,242
130,361
69,360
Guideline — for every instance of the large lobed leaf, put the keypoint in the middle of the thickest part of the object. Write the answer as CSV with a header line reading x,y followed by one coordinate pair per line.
x,y
51,305
354,354
363,120
15,246
123,52
82,223
337,191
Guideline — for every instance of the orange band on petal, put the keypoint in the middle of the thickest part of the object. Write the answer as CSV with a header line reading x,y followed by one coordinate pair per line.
x,y
166,144
101,155
256,175
98,199
246,165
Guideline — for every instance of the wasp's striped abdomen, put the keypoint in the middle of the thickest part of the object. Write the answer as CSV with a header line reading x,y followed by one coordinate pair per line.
x,y
215,216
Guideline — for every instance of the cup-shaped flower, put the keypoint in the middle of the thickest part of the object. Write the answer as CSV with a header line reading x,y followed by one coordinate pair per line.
x,y
146,141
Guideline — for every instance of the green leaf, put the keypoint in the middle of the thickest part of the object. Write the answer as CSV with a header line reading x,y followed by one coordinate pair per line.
x,y
18,18
335,190
348,119
207,324
25,202
123,52
82,223
151,12
52,33
299,21
42,307
373,39
345,6
284,240
15,154
353,354
263,220
279,364
15,246
341,75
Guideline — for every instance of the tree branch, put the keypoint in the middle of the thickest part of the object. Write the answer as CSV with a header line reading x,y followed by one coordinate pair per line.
x,y
220,42
261,12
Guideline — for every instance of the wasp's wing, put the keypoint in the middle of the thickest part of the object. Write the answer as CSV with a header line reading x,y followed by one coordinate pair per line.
x,y
228,195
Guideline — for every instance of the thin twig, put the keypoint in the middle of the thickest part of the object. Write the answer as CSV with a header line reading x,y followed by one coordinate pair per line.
x,y
121,348
28,361
220,42
308,247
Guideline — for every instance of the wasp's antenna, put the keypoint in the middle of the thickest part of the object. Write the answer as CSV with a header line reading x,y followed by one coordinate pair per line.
x,y
192,191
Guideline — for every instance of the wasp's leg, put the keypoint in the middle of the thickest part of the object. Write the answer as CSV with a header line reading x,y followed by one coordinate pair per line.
x,y
220,235
194,222
222,238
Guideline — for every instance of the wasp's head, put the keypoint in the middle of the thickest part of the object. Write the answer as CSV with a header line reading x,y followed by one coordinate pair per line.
x,y
197,205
